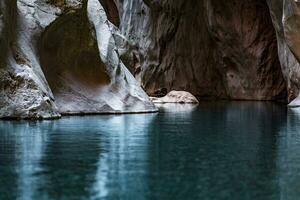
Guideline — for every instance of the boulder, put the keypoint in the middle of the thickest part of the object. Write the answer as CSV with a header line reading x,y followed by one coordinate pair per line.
x,y
181,97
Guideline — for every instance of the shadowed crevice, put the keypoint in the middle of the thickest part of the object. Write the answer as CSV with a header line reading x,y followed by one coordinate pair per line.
x,y
111,11
70,60
8,23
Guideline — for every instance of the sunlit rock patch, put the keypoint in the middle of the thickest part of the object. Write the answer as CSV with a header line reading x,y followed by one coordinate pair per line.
x,y
60,57
181,97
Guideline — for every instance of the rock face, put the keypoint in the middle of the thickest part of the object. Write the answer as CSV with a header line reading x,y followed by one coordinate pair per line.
x,y
176,97
61,57
24,92
285,15
211,48
215,48
78,56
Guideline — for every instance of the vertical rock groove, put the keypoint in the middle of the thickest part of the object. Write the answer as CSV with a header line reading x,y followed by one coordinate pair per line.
x,y
78,56
214,49
71,63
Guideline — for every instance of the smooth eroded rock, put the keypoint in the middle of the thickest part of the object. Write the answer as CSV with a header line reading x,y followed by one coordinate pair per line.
x,y
24,92
211,48
285,16
60,57
181,97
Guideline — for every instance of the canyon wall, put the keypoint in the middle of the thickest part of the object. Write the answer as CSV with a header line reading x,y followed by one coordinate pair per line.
x,y
81,56
285,15
211,48
24,91
60,57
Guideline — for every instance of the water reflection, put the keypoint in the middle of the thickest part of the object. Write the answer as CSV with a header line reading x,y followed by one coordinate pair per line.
x,y
69,163
122,168
219,150
22,147
75,157
289,156
177,108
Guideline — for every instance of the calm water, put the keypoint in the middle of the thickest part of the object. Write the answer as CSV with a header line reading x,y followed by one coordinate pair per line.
x,y
237,150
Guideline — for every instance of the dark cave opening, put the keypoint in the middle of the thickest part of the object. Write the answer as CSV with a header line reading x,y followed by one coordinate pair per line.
x,y
246,46
112,11
218,50
70,59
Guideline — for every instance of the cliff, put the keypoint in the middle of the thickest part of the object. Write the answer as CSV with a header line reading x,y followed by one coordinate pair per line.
x,y
98,56
60,57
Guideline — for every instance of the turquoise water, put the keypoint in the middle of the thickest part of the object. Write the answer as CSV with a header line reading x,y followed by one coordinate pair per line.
x,y
237,150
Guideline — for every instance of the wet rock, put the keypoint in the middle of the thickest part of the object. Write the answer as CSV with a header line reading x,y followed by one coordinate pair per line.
x,y
181,97
285,16
24,92
78,56
295,102
60,57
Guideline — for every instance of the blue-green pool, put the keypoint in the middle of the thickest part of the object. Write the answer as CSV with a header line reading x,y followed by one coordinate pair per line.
x,y
218,150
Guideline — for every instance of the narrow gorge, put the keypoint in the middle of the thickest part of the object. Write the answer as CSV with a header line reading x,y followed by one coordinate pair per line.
x,y
65,57
149,99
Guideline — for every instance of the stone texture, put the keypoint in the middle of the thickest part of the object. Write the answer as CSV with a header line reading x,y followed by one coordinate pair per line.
x,y
78,56
246,49
68,44
24,92
211,48
285,15
176,108
181,97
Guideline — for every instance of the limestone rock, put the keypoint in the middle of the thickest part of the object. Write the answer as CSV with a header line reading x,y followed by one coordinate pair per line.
x,y
285,15
78,56
295,102
181,97
61,57
24,92
211,48
177,108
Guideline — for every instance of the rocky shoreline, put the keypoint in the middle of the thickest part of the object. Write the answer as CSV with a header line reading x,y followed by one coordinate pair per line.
x,y
73,57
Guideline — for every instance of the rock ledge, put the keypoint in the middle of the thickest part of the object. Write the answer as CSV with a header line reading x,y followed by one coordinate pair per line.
x,y
181,97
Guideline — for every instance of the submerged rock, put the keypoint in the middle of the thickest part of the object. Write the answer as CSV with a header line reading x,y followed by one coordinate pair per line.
x,y
181,97
86,75
176,107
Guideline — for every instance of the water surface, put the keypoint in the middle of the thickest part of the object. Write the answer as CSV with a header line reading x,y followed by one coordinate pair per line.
x,y
220,150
